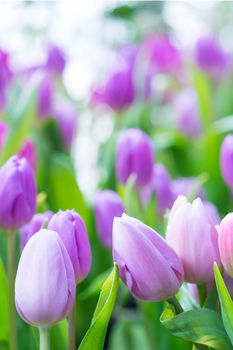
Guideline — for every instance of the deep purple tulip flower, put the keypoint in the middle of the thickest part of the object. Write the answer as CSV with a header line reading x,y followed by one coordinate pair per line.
x,y
66,115
148,266
45,283
134,155
210,57
72,230
108,205
192,234
56,59
4,129
5,77
28,151
36,223
226,160
17,193
45,96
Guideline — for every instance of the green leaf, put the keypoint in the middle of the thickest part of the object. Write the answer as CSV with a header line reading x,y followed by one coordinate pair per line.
x,y
94,338
4,321
95,286
201,326
226,303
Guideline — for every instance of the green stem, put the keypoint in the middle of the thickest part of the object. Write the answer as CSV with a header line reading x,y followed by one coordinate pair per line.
x,y
174,302
44,339
11,252
72,329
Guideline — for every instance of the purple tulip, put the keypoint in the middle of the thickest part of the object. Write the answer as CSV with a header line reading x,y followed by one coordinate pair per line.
x,y
108,205
161,185
226,160
45,96
28,151
72,230
194,237
210,57
188,119
45,282
186,186
5,77
212,212
56,59
66,115
134,155
163,54
4,129
148,266
17,193
226,243
28,230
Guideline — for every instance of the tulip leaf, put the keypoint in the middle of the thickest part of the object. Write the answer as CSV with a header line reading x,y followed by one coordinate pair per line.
x,y
4,322
226,303
94,338
95,286
201,326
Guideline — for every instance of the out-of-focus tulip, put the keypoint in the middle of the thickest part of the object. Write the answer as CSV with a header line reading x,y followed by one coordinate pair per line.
x,y
193,236
212,212
5,77
45,96
134,156
186,186
66,115
210,57
28,151
72,230
108,205
45,282
226,243
161,185
17,193
187,113
56,59
148,266
226,160
4,129
163,54
28,230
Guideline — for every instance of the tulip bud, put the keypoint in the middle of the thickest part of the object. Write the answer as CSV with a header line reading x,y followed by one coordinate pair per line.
x,y
226,243
212,212
45,96
210,57
28,151
193,236
107,206
186,186
36,223
147,265
66,115
134,155
72,230
5,77
17,193
45,282
56,59
226,160
3,133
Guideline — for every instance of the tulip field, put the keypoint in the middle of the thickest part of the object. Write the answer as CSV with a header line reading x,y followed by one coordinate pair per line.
x,y
116,206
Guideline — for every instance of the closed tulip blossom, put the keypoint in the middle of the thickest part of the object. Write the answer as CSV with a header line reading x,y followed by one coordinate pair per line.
x,y
4,129
17,193
134,155
56,59
187,186
226,243
45,96
36,223
226,160
108,205
72,230
147,264
212,211
45,282
28,151
193,236
5,77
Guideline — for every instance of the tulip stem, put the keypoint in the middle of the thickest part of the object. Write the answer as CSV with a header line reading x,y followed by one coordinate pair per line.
x,y
72,328
44,339
175,303
11,252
